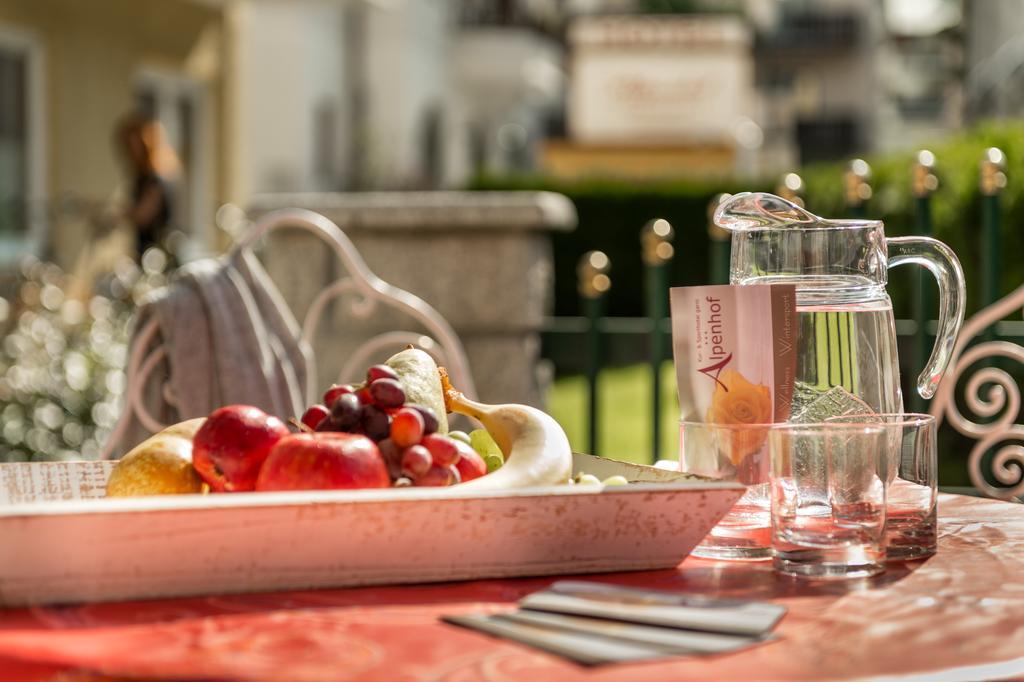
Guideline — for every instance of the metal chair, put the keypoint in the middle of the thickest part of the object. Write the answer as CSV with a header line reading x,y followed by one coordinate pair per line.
x,y
1000,403
369,292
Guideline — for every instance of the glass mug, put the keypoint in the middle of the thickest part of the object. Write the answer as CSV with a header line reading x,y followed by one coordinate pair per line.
x,y
829,485
911,523
738,453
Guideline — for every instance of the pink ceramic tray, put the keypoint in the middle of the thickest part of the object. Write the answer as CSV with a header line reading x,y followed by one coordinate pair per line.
x,y
60,541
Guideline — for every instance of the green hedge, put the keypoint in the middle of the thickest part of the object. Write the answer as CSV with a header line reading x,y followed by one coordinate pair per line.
x,y
956,205
612,211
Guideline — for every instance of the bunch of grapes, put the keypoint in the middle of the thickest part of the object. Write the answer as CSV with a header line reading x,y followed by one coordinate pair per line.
x,y
405,433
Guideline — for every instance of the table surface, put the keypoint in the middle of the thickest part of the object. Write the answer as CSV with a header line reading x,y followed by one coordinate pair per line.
x,y
957,615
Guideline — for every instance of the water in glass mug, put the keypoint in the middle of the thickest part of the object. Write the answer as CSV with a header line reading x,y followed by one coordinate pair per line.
x,y
745,532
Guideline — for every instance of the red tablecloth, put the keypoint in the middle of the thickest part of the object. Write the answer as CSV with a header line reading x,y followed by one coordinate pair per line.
x,y
958,615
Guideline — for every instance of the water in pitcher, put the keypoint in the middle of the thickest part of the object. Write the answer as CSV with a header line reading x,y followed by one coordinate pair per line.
x,y
852,346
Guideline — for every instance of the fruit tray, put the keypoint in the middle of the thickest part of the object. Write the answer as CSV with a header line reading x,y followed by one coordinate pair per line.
x,y
79,546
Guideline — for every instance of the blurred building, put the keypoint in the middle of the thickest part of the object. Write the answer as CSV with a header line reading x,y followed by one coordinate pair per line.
x,y
840,78
922,67
323,95
995,59
406,94
262,96
69,71
769,84
816,78
509,86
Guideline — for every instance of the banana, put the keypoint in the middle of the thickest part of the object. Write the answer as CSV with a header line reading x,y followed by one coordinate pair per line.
x,y
537,451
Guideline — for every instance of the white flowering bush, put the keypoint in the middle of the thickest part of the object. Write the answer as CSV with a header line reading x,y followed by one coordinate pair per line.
x,y
62,358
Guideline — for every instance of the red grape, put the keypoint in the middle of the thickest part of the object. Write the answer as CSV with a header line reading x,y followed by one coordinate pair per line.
x,y
314,415
415,461
406,427
392,455
442,449
336,390
363,394
438,476
380,372
346,411
470,465
387,392
375,422
429,418
328,424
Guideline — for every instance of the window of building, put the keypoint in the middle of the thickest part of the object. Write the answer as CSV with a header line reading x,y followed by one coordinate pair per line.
x,y
430,148
13,142
325,144
22,208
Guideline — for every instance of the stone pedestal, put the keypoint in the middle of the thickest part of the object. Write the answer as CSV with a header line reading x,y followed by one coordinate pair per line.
x,y
482,259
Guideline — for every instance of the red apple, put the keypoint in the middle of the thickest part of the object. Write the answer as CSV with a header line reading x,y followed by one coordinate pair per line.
x,y
229,448
324,461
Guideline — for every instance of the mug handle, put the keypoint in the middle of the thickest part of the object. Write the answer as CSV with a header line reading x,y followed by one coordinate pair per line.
x,y
940,260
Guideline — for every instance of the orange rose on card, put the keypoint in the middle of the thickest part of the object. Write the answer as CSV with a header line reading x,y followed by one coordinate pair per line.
x,y
738,401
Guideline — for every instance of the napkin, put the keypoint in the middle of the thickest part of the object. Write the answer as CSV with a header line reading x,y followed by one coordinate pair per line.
x,y
230,338
594,623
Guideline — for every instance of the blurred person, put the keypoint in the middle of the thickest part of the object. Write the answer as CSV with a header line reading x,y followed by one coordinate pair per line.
x,y
138,214
153,171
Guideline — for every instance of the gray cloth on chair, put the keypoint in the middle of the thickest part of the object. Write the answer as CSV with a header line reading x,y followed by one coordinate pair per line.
x,y
230,339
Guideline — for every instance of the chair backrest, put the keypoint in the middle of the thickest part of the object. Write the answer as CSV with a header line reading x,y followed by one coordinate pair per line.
x,y
991,395
369,292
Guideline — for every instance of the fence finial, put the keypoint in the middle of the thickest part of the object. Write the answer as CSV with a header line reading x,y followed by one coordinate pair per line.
x,y
791,188
656,241
925,180
592,272
993,171
857,189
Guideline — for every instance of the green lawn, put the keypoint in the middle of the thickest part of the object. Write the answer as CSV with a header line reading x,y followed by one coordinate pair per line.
x,y
624,412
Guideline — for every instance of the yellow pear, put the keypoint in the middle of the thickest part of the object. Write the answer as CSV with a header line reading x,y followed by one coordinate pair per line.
x,y
159,465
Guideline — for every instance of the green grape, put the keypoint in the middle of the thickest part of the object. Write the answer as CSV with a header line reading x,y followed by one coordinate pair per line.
x,y
587,479
461,435
615,480
484,444
493,462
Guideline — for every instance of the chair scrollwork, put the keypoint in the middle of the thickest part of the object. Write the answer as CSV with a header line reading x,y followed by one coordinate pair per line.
x,y
992,397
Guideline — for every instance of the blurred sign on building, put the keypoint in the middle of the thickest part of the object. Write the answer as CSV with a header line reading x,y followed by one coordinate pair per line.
x,y
657,95
634,79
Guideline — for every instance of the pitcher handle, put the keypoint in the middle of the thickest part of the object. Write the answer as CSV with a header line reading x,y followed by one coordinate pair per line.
x,y
945,266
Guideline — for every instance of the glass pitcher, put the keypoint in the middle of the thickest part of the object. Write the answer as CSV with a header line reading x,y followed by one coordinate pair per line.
x,y
847,333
